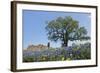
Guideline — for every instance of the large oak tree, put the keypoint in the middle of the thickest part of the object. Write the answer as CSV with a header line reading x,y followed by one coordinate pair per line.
x,y
65,29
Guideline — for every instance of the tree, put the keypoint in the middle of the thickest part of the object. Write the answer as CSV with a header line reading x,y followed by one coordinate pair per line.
x,y
65,29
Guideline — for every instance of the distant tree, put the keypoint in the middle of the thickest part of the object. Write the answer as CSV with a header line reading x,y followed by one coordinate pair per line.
x,y
65,29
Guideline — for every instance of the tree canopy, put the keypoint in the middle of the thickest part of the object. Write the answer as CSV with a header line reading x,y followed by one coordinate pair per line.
x,y
65,29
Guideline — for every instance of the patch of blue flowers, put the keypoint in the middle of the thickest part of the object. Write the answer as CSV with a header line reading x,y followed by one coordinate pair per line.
x,y
74,52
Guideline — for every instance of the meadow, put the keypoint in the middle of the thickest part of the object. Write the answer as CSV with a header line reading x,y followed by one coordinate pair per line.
x,y
74,52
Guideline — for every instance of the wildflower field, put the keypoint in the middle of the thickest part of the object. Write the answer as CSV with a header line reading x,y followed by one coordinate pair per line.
x,y
74,52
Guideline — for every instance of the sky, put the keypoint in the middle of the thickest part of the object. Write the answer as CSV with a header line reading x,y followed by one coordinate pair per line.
x,y
34,23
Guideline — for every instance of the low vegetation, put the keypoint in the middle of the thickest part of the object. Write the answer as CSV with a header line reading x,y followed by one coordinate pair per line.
x,y
74,52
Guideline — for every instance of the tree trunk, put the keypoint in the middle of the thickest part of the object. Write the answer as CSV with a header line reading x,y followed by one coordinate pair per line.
x,y
65,43
66,39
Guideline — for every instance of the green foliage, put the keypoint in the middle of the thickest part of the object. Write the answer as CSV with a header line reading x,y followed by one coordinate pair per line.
x,y
29,59
68,59
65,29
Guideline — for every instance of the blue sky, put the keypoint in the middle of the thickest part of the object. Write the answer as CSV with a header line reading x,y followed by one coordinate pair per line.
x,y
34,23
